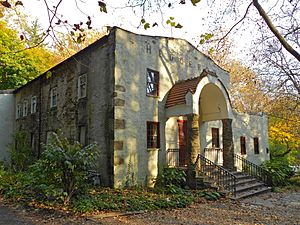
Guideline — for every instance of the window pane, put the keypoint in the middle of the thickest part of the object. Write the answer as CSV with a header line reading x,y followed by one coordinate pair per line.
x,y
153,135
152,82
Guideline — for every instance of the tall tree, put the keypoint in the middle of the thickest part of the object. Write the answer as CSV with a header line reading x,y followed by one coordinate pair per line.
x,y
18,66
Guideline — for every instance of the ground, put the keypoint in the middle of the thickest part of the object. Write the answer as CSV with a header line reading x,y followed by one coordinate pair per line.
x,y
269,208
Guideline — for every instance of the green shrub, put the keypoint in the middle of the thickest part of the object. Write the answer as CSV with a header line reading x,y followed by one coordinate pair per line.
x,y
295,181
20,152
172,176
62,169
280,171
55,178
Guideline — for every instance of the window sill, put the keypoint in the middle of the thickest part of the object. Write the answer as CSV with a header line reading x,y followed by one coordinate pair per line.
x,y
152,96
153,149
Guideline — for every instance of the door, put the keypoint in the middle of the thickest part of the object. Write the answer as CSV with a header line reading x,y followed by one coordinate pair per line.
x,y
182,131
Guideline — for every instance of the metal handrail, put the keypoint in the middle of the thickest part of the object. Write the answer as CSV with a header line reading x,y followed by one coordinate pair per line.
x,y
222,177
253,170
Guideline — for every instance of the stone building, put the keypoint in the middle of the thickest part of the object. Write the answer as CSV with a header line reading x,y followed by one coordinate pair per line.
x,y
145,100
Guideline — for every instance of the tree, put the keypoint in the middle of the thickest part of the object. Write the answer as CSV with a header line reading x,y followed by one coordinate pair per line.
x,y
284,129
67,45
18,66
250,94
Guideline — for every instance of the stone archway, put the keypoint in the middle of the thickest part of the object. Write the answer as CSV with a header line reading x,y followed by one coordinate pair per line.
x,y
202,98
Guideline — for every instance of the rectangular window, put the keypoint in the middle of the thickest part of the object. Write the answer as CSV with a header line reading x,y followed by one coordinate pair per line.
x,y
25,108
152,88
82,86
243,145
215,141
53,97
82,135
19,111
256,145
153,140
33,104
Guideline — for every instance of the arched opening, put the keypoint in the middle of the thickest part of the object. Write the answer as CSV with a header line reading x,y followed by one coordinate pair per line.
x,y
215,135
212,103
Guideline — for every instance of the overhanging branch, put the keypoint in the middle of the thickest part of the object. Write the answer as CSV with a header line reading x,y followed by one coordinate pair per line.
x,y
274,30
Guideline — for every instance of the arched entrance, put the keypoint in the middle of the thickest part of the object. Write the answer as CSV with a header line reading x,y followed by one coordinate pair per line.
x,y
198,101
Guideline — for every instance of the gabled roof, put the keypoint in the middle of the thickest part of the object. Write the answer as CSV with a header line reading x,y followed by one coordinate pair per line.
x,y
176,95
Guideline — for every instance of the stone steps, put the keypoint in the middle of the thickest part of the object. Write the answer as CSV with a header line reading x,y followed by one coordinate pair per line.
x,y
251,193
246,185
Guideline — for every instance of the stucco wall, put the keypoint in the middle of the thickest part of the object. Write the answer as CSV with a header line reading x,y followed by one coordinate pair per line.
x,y
249,126
7,114
175,60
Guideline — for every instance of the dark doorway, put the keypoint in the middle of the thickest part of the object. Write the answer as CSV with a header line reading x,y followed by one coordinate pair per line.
x,y
215,141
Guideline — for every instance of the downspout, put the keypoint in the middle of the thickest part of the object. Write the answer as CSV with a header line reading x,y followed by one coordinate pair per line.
x,y
40,117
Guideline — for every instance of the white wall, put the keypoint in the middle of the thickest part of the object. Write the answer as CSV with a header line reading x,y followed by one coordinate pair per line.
x,y
7,120
250,126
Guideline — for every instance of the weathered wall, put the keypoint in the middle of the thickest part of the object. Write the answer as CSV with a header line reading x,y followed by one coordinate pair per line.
x,y
95,111
175,60
7,118
246,125
250,126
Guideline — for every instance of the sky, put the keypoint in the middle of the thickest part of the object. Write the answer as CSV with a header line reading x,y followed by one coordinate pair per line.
x,y
194,19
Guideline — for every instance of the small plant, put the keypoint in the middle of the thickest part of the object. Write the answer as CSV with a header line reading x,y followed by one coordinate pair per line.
x,y
172,176
20,152
210,195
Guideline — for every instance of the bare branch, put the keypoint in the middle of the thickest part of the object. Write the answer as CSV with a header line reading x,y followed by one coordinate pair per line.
x,y
274,30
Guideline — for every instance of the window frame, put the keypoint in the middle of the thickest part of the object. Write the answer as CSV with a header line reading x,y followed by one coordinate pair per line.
x,y
243,145
256,145
82,130
19,110
155,83
33,104
25,108
81,84
151,136
217,138
53,95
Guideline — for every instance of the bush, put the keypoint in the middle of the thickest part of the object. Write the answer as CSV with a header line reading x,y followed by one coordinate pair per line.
x,y
56,177
280,171
172,177
295,181
62,169
20,152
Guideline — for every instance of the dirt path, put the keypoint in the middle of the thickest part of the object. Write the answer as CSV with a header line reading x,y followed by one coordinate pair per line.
x,y
270,208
